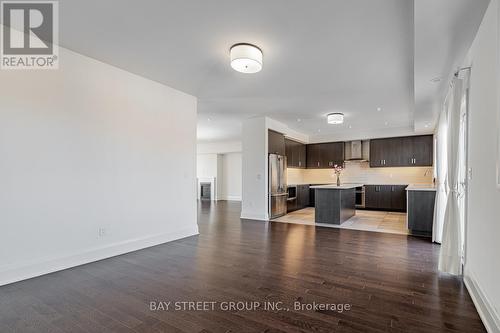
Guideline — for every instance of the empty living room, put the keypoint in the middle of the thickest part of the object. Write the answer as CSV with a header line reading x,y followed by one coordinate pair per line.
x,y
250,166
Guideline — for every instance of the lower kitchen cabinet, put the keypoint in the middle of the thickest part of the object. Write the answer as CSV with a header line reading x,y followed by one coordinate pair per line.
x,y
301,199
398,198
385,197
302,196
312,197
291,205
421,212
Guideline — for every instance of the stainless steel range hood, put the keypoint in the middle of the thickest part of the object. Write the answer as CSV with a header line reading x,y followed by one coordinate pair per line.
x,y
357,151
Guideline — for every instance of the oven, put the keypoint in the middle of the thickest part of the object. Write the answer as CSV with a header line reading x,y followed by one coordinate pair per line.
x,y
360,197
292,192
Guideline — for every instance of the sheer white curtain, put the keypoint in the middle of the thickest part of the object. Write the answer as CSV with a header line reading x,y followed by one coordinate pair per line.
x,y
440,172
450,259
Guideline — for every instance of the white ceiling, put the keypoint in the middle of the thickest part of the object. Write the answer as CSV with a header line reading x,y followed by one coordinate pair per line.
x,y
319,56
444,31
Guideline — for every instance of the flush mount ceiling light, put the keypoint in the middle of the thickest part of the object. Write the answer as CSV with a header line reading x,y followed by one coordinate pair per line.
x,y
335,118
246,58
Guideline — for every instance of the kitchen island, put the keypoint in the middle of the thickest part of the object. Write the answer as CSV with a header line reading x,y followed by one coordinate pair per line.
x,y
335,204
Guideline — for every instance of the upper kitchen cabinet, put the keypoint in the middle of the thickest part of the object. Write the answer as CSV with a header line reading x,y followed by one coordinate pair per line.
x,y
276,143
313,156
401,152
423,150
333,153
296,154
325,155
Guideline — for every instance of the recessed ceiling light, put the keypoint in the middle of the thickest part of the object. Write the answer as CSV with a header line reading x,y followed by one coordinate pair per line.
x,y
209,119
335,118
379,109
426,125
246,58
436,79
350,126
386,123
319,130
299,120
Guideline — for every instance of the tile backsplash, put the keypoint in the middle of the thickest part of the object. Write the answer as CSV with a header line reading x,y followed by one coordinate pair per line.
x,y
360,172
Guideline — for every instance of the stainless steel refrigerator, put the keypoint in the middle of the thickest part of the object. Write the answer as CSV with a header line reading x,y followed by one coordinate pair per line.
x,y
277,186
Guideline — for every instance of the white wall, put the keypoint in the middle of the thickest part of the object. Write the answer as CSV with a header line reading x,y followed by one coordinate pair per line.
x,y
206,165
482,267
85,148
231,177
226,169
223,147
254,169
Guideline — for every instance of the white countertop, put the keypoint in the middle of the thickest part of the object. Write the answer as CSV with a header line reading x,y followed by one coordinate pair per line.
x,y
360,184
421,187
335,187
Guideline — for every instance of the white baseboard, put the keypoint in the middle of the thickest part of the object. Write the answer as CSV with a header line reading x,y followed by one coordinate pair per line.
x,y
230,198
22,272
250,216
487,312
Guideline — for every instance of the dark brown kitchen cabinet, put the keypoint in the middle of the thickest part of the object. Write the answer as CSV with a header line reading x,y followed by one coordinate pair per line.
x,y
423,150
276,143
301,199
398,198
325,155
313,156
385,197
295,153
402,151
289,153
377,150
377,197
333,154
302,196
302,156
387,152
312,197
421,212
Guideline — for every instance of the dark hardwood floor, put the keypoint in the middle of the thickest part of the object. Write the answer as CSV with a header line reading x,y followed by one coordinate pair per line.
x,y
391,281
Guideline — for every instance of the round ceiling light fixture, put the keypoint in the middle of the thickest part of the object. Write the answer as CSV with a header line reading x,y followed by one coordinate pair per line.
x,y
335,118
246,58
